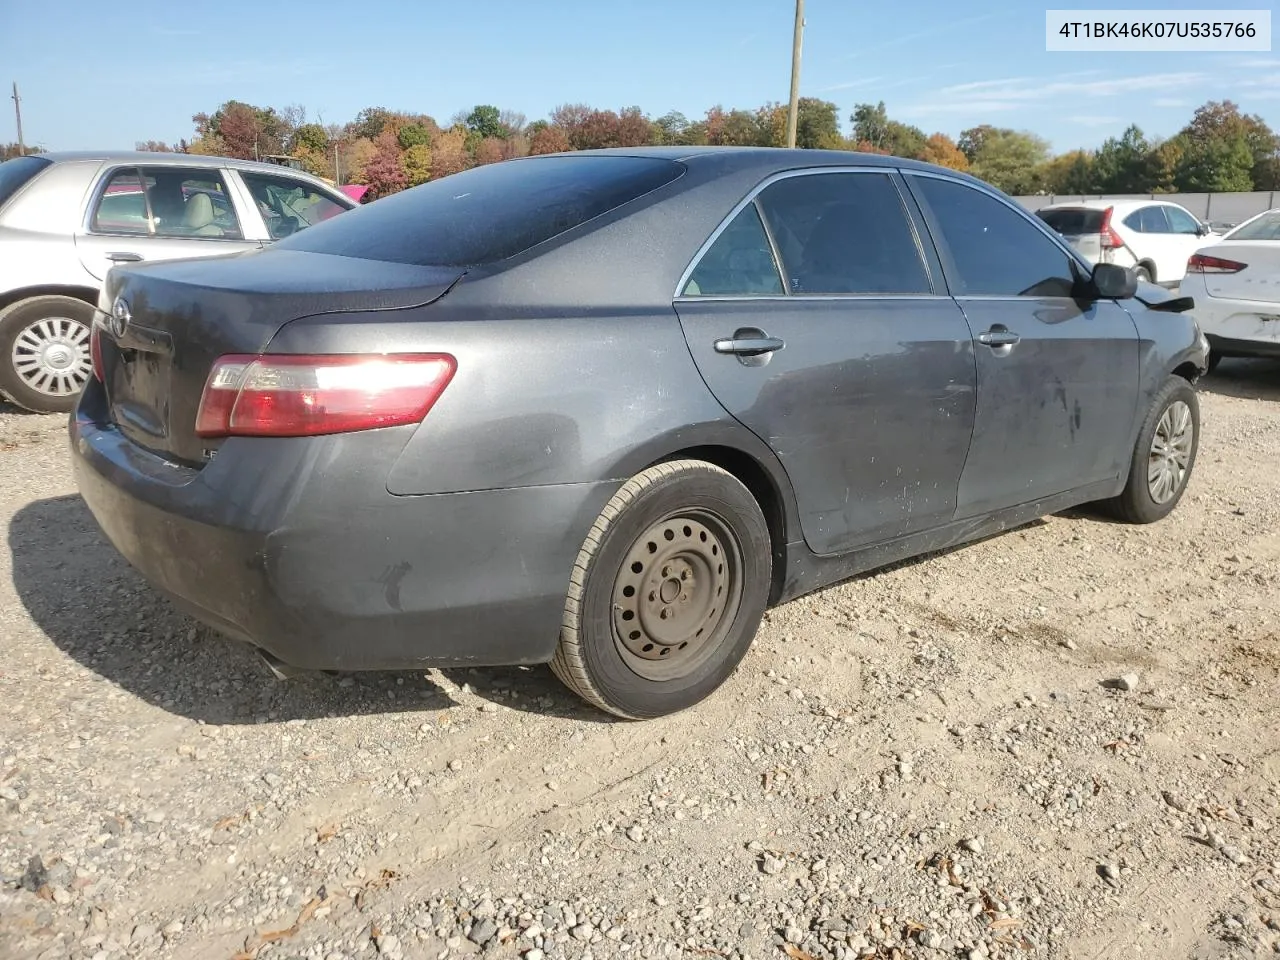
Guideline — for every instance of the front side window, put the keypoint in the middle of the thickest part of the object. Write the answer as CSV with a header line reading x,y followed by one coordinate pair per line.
x,y
844,233
288,205
739,263
994,250
1182,222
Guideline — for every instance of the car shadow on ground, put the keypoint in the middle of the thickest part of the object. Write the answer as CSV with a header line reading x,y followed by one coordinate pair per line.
x,y
1247,379
97,610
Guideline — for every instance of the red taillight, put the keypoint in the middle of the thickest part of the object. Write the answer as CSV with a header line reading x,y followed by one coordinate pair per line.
x,y
297,396
1110,239
1199,263
95,352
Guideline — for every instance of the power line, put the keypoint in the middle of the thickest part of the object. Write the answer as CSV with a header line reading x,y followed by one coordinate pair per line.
x,y
797,37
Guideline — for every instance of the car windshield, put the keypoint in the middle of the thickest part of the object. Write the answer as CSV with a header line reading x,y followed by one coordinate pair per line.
x,y
1072,221
488,213
14,173
1265,227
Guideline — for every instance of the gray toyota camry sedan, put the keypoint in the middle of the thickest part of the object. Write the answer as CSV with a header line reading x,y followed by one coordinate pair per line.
x,y
602,409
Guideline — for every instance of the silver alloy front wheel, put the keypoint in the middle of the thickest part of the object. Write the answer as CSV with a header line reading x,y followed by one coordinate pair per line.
x,y
51,356
1170,455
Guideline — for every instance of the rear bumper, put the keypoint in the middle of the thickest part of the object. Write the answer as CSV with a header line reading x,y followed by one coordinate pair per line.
x,y
274,544
1231,347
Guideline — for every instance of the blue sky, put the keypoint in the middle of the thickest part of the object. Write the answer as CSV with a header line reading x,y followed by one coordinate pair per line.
x,y
95,75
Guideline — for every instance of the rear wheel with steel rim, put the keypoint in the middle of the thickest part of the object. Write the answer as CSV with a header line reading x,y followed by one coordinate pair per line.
x,y
44,352
667,592
1164,455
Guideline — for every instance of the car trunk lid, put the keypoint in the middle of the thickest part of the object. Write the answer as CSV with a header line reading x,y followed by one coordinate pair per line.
x,y
183,315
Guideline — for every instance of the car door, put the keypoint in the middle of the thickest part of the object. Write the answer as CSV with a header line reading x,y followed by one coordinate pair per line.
x,y
159,213
1057,376
817,318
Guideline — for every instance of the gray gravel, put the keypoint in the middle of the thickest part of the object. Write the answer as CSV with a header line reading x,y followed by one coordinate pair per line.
x,y
934,762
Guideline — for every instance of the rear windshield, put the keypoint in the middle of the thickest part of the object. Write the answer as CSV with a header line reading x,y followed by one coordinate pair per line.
x,y
1266,227
488,213
1072,222
14,173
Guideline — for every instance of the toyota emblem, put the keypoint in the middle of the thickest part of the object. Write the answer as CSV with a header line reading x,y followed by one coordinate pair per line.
x,y
120,317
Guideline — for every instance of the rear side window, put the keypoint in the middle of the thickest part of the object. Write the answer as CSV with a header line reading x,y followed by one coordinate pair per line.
x,y
15,173
1147,220
844,233
994,250
739,263
489,213
1072,222
1266,227
176,203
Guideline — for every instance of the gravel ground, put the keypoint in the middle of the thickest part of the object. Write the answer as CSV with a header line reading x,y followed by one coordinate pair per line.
x,y
1060,742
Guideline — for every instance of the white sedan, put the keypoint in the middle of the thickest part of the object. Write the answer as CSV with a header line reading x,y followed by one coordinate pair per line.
x,y
1236,286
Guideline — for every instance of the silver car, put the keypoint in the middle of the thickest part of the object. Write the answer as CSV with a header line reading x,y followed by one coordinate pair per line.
x,y
66,218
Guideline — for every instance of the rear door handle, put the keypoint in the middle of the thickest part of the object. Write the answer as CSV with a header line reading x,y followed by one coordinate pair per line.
x,y
749,346
124,256
999,336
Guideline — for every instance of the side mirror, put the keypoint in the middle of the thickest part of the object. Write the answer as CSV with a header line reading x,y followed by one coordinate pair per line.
x,y
1110,281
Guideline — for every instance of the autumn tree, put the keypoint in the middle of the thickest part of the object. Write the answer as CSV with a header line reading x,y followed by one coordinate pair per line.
x,y
1069,173
153,146
942,150
385,172
449,153
417,164
370,122
489,150
548,139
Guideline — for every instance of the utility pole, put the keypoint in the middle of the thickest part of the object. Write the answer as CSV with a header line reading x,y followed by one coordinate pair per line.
x,y
795,74
337,170
17,112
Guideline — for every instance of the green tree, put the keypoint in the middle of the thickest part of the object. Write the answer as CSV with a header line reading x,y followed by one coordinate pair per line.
x,y
1009,160
310,136
871,125
413,134
671,129
486,121
1124,164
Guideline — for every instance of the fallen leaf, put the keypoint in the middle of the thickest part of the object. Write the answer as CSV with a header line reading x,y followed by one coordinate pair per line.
x,y
795,953
327,833
1004,923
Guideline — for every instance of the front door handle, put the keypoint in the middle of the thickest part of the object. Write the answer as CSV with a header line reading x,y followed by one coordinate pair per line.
x,y
748,346
124,256
999,336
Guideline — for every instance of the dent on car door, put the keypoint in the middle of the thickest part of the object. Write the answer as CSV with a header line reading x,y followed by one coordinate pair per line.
x,y
158,213
813,318
1057,375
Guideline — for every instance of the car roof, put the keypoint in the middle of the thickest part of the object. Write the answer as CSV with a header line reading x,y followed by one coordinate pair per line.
x,y
168,159
763,158
1130,204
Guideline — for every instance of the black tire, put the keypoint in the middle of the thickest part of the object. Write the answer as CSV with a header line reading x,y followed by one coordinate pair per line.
x,y
701,506
1144,272
1136,503
62,315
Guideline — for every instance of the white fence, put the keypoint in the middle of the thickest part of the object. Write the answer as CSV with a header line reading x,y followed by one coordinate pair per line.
x,y
1219,209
